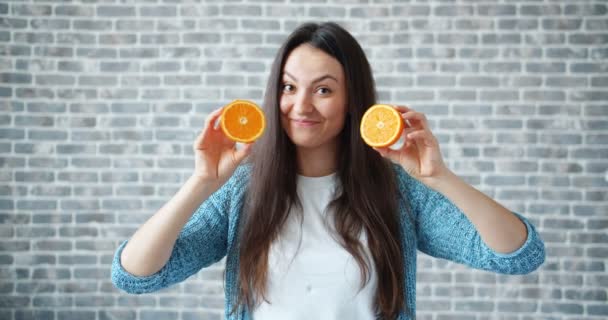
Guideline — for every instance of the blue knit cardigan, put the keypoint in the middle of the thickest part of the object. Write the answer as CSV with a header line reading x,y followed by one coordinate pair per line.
x,y
433,225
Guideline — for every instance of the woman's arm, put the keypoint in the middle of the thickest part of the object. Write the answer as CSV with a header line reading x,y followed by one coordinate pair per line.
x,y
500,229
151,245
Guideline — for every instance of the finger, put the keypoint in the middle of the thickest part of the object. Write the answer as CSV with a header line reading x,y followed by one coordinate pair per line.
x,y
388,153
414,117
209,121
242,153
402,109
422,135
212,118
407,130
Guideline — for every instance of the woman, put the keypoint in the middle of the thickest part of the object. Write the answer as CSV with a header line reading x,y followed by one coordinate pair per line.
x,y
316,224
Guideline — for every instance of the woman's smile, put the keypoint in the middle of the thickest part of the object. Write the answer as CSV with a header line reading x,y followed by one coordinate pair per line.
x,y
305,123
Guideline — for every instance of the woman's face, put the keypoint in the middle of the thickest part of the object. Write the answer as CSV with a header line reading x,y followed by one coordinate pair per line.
x,y
313,98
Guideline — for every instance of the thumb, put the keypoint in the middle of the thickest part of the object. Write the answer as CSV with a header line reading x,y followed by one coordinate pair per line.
x,y
243,152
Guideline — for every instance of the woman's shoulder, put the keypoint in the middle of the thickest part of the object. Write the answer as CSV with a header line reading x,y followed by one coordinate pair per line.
x,y
234,188
403,179
238,180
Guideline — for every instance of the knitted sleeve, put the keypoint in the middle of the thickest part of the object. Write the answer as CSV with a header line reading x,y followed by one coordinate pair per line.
x,y
444,231
202,242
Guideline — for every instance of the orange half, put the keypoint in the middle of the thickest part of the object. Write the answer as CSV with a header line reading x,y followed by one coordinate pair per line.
x,y
381,126
243,121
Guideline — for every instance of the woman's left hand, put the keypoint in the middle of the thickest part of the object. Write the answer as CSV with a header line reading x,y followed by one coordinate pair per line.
x,y
419,156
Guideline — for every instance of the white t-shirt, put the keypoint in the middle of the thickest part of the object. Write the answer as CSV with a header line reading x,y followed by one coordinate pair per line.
x,y
320,280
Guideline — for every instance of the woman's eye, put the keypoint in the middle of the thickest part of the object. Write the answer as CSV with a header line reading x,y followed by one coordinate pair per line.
x,y
287,88
323,91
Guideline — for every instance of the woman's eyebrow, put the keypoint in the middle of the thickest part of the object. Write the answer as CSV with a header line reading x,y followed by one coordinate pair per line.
x,y
321,78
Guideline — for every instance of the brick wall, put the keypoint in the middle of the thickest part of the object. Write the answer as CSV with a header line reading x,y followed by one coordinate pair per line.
x,y
101,100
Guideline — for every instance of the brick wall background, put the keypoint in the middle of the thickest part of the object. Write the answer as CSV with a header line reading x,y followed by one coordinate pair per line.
x,y
101,100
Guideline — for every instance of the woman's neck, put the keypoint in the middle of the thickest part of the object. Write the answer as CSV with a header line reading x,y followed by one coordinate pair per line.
x,y
317,162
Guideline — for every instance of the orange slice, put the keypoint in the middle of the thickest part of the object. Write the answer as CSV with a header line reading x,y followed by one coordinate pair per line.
x,y
381,126
243,121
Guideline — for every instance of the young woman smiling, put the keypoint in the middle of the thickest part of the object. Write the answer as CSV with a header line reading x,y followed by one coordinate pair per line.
x,y
315,224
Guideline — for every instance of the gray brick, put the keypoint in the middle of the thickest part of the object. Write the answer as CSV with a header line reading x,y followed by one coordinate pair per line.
x,y
116,314
53,245
326,11
93,25
76,287
563,308
585,9
95,53
201,37
282,11
457,38
502,123
594,124
562,24
496,10
512,38
410,10
502,95
583,266
588,67
540,10
115,11
35,259
597,310
36,232
504,180
118,39
387,25
566,81
595,24
435,81
14,301
94,301
132,301
588,39
599,81
158,11
596,139
453,10
199,11
34,315
31,10
473,24
519,307
76,38
479,81
149,315
579,53
457,95
241,10
577,294
544,95
545,38
16,78
475,305
51,274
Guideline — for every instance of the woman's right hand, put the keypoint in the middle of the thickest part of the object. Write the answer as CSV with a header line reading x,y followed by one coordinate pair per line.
x,y
216,156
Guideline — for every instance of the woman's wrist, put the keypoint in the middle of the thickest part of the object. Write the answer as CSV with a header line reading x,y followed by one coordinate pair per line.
x,y
440,179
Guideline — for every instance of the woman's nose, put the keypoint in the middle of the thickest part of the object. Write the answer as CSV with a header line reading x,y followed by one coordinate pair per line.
x,y
303,103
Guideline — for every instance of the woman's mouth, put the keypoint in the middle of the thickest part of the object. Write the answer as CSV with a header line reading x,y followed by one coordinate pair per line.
x,y
304,122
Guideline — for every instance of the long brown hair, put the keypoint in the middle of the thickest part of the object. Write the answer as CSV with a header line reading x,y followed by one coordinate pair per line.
x,y
366,201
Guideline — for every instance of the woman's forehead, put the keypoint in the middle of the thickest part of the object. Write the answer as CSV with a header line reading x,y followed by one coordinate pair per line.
x,y
306,63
